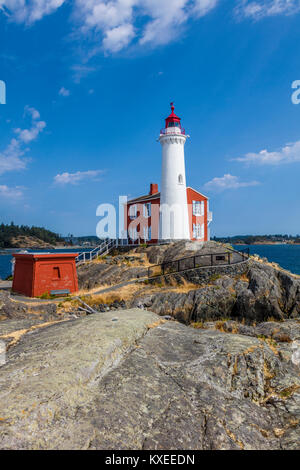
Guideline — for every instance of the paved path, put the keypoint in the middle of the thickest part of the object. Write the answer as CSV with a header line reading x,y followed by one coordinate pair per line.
x,y
5,285
22,298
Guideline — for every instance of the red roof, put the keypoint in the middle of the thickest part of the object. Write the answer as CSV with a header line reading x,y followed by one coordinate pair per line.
x,y
172,117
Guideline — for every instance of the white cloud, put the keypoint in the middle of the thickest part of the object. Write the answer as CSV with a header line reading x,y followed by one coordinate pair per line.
x,y
113,25
116,23
12,157
261,8
117,38
167,17
227,182
80,71
74,178
28,135
288,154
22,11
202,7
64,92
11,193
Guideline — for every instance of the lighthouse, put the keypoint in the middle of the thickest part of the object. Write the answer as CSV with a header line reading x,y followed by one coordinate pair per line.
x,y
175,212
174,217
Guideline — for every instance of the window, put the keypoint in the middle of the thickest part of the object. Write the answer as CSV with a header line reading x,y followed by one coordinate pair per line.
x,y
147,209
132,233
198,231
198,208
132,211
147,233
180,179
56,273
173,124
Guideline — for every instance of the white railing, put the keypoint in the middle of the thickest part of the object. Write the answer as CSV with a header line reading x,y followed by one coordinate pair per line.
x,y
106,247
209,217
100,250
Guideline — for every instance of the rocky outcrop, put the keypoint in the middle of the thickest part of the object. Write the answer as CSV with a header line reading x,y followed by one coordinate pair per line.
x,y
106,273
129,380
257,293
182,249
121,267
15,310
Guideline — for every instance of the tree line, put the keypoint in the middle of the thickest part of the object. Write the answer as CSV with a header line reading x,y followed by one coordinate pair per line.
x,y
251,239
11,231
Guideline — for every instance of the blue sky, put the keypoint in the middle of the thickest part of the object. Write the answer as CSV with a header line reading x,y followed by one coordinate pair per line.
x,y
89,84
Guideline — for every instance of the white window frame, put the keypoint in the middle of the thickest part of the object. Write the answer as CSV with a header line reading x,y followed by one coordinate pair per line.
x,y
132,232
147,210
147,233
133,211
202,208
197,208
198,231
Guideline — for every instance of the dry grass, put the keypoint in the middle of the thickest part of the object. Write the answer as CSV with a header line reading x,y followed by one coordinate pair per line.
x,y
157,323
125,293
267,373
185,287
92,291
199,325
15,336
134,264
220,326
244,277
283,338
272,345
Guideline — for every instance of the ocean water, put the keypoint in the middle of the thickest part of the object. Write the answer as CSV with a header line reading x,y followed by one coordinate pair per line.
x,y
287,256
6,258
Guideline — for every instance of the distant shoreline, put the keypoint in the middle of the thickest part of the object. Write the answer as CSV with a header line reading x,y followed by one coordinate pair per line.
x,y
41,248
266,243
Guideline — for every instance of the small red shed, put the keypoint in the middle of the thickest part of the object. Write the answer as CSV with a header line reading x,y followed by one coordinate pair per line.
x,y
36,274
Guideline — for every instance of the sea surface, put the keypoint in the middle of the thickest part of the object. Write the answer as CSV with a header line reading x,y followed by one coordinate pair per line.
x,y
6,257
287,256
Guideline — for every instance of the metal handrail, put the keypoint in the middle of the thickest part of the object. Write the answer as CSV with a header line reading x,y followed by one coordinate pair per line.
x,y
105,247
244,253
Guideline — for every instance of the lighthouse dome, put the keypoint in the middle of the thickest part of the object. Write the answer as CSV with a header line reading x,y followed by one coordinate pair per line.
x,y
173,124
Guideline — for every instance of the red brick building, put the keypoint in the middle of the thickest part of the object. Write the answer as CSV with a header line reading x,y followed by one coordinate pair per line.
x,y
36,274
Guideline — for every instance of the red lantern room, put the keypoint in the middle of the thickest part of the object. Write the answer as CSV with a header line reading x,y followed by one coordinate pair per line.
x,y
173,124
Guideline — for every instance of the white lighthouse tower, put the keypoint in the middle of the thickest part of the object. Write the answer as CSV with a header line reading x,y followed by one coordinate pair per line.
x,y
174,220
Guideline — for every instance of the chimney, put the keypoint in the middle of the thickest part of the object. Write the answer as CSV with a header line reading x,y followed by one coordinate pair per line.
x,y
153,188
